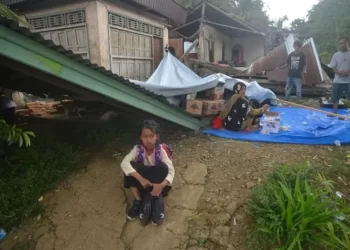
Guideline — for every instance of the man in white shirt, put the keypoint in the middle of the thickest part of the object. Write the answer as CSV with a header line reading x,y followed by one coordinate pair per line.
x,y
341,66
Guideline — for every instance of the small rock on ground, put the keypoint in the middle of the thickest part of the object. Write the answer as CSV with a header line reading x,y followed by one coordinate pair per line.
x,y
195,174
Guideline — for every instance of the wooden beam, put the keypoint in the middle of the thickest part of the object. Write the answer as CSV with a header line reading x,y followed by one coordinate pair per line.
x,y
190,37
231,27
186,24
313,109
203,10
201,43
233,18
194,44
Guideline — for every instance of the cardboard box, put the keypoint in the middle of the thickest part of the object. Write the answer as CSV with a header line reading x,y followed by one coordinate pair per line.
x,y
211,107
194,107
216,93
272,122
221,104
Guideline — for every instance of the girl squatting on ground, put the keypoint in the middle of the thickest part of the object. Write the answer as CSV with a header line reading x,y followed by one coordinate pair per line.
x,y
148,168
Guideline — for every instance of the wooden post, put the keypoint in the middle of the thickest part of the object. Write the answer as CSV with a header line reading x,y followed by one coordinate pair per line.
x,y
201,52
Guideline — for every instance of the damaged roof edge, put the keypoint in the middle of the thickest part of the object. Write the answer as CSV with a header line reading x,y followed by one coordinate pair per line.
x,y
168,8
247,25
46,56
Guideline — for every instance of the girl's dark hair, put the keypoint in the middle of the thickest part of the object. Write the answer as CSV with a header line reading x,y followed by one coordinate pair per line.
x,y
150,124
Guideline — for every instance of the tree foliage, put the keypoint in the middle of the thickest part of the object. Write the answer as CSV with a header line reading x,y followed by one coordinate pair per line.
x,y
7,13
327,21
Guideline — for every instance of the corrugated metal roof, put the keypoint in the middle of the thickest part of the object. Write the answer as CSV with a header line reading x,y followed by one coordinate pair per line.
x,y
168,8
318,61
10,2
289,43
314,72
68,53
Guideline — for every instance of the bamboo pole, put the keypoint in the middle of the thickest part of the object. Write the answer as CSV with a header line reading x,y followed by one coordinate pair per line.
x,y
317,110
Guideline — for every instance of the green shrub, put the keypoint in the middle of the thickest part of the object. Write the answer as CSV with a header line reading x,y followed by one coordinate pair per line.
x,y
26,174
294,212
14,135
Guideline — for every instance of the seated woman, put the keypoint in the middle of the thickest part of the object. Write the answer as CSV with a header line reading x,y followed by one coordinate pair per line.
x,y
239,113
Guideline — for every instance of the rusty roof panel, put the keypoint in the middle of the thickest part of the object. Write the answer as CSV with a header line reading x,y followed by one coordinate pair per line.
x,y
168,8
274,63
271,61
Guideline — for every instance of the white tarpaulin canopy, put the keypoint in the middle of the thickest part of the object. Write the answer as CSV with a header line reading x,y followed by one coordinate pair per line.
x,y
172,78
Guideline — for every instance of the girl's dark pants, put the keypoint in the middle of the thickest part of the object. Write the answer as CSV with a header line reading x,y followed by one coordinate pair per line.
x,y
155,174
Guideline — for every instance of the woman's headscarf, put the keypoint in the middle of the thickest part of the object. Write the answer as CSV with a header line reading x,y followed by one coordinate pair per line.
x,y
229,104
238,86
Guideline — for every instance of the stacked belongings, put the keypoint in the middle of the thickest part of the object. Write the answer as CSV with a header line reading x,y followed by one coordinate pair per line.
x,y
210,105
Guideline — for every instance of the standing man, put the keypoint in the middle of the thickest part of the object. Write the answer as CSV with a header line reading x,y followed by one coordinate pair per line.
x,y
297,64
341,66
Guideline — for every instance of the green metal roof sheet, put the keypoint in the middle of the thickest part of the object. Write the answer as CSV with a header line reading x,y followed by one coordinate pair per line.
x,y
46,56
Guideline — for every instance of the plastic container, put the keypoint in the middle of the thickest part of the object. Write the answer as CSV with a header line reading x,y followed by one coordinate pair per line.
x,y
337,143
2,234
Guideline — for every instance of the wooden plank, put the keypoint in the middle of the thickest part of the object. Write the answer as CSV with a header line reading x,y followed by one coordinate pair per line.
x,y
231,27
157,51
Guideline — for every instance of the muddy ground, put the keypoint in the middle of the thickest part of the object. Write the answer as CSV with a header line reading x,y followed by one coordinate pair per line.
x,y
206,209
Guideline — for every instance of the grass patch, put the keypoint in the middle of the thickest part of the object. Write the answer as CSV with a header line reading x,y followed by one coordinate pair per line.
x,y
26,174
298,209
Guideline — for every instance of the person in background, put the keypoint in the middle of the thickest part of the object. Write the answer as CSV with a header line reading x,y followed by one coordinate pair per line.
x,y
297,65
238,113
148,166
171,50
7,109
340,64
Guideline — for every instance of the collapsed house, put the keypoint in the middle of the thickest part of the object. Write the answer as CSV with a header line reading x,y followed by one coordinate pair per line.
x,y
274,67
217,36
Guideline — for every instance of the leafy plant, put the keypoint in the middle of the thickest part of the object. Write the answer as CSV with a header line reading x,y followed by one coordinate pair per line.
x,y
14,135
26,174
7,13
294,212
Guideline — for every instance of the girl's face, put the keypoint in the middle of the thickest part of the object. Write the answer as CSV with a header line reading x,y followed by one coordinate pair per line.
x,y
148,138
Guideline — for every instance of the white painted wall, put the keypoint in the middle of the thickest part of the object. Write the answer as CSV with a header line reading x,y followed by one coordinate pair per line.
x,y
218,38
253,46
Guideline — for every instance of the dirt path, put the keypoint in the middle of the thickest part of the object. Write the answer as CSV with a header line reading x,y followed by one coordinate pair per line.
x,y
206,209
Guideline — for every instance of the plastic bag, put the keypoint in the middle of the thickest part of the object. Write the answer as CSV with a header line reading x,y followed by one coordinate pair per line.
x,y
146,209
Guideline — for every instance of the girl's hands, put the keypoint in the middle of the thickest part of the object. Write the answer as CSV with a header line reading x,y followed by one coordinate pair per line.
x,y
157,189
145,183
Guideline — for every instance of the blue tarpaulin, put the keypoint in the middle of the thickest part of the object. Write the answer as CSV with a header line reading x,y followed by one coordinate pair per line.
x,y
304,127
